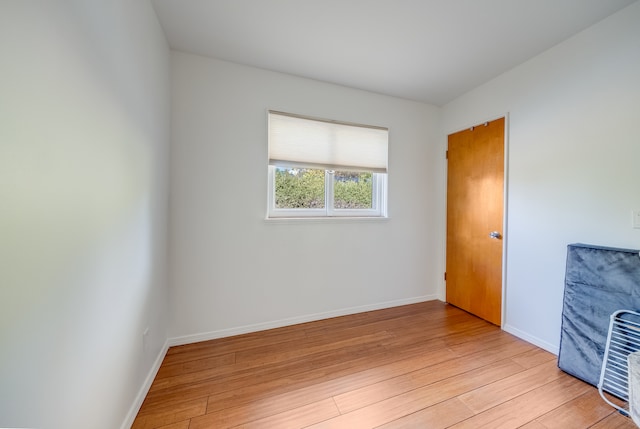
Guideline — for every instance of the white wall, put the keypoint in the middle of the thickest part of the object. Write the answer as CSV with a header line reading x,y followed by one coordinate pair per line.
x,y
84,131
232,271
574,153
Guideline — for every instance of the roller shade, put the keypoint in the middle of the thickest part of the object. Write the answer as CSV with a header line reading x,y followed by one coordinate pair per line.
x,y
331,145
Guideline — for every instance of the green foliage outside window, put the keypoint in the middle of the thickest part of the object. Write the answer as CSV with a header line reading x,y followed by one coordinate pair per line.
x,y
299,188
304,189
352,190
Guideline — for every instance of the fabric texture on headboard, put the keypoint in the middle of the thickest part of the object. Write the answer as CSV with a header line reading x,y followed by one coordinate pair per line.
x,y
598,281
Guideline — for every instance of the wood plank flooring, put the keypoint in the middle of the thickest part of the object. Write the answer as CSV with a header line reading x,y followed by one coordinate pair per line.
x,y
427,365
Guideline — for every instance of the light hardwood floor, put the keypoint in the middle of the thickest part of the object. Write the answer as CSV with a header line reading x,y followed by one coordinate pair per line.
x,y
427,365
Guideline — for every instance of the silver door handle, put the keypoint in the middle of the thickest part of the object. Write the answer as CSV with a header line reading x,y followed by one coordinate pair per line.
x,y
495,234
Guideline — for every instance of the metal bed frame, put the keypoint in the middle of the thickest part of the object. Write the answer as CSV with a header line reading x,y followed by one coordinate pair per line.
x,y
623,339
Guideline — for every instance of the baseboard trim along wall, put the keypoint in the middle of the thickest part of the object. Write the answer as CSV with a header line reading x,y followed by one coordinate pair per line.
x,y
206,336
531,339
144,389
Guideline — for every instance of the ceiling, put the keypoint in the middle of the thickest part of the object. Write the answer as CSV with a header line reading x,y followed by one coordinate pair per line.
x,y
425,50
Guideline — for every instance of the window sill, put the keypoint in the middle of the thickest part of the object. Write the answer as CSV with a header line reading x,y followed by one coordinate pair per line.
x,y
326,219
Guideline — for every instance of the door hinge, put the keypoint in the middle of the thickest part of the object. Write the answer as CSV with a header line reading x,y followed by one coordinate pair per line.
x,y
445,276
446,155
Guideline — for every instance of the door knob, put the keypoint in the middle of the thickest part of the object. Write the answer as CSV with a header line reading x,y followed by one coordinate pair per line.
x,y
495,234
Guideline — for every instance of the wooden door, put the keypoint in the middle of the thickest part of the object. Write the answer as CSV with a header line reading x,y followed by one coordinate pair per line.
x,y
475,207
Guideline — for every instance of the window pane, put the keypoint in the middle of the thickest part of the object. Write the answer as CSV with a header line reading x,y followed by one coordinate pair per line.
x,y
353,190
299,188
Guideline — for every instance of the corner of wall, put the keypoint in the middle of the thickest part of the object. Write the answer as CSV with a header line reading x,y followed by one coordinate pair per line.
x,y
144,389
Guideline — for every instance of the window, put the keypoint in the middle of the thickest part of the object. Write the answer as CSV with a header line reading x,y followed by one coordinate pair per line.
x,y
323,168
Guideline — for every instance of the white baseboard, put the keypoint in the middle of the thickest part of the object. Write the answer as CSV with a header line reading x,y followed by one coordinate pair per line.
x,y
144,389
532,339
205,336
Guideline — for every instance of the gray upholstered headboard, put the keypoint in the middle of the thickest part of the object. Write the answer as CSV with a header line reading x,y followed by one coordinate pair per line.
x,y
599,280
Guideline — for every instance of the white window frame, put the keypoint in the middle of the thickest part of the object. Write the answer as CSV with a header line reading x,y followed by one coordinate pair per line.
x,y
378,200
327,145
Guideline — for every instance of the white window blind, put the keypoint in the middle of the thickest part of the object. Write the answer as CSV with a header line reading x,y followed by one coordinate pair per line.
x,y
330,145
